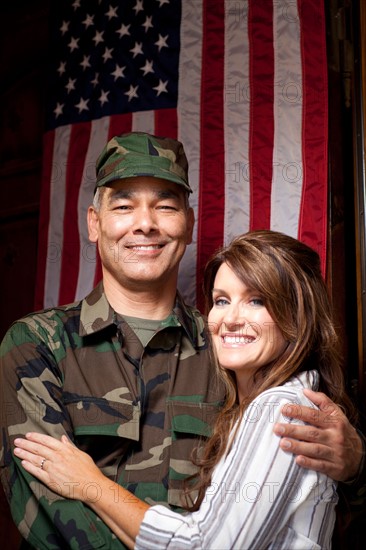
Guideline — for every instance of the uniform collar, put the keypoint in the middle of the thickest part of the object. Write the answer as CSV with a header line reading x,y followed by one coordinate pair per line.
x,y
97,314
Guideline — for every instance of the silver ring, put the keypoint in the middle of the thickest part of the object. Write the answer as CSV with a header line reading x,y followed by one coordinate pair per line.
x,y
42,463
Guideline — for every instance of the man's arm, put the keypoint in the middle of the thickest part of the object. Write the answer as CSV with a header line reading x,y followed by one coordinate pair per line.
x,y
31,399
328,444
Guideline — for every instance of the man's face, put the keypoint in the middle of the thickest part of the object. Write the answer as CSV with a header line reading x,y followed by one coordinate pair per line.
x,y
142,229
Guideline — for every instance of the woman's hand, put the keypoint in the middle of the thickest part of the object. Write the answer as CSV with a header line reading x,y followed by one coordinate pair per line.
x,y
72,474
60,465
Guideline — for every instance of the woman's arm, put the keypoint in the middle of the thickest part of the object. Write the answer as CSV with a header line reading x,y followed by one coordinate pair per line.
x,y
120,510
254,493
73,474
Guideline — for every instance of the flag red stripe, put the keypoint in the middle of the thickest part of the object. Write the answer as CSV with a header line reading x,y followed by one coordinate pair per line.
x,y
98,268
211,208
261,63
120,124
166,123
79,139
313,211
44,218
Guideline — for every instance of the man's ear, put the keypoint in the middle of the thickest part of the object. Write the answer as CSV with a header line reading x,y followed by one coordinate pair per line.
x,y
190,225
93,224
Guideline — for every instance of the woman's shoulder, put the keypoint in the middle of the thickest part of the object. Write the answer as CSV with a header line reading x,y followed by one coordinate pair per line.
x,y
290,392
295,386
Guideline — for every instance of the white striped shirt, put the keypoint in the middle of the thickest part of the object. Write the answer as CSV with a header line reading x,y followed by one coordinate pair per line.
x,y
259,498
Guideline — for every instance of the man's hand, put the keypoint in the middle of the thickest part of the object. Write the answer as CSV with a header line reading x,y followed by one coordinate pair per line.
x,y
330,444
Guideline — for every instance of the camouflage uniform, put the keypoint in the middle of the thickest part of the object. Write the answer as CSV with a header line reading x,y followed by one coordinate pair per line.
x,y
138,412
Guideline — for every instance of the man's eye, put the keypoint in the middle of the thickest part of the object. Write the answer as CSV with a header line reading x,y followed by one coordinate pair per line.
x,y
122,207
166,207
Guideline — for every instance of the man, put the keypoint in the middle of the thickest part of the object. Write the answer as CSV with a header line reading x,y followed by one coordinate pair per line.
x,y
126,371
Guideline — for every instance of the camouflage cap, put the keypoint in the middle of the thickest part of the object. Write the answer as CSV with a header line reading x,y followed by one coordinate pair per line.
x,y
140,154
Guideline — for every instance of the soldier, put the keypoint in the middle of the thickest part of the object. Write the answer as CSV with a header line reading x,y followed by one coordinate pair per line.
x,y
125,373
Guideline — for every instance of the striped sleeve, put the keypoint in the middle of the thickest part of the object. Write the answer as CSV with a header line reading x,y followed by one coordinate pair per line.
x,y
258,498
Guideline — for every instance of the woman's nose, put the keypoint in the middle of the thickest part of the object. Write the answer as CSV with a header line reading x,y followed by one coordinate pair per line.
x,y
234,317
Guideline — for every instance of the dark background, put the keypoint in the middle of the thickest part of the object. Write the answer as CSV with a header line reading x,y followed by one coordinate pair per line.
x,y
24,39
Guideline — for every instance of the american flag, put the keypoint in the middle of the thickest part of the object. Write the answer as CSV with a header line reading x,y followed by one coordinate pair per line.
x,y
242,83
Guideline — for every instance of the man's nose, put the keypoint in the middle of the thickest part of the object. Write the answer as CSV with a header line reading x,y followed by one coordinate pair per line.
x,y
145,220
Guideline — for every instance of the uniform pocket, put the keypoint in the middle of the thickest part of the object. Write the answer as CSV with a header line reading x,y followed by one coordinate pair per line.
x,y
104,429
98,416
191,424
192,418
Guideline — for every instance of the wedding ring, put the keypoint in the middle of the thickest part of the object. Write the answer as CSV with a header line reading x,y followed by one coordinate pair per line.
x,y
42,463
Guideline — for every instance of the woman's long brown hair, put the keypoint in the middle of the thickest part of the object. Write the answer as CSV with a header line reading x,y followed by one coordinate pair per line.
x,y
287,275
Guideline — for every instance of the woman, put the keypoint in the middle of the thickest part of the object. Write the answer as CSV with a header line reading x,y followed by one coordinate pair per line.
x,y
273,336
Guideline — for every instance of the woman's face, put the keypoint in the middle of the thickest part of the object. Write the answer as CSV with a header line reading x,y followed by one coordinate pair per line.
x,y
243,332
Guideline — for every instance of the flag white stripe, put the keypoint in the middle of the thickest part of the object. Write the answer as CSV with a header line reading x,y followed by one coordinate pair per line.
x,y
237,120
143,121
190,66
287,155
87,255
57,214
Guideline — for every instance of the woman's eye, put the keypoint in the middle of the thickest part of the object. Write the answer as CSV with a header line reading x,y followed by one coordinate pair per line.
x,y
257,302
220,302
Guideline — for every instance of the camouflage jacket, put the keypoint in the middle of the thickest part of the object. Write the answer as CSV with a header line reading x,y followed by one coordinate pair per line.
x,y
80,369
